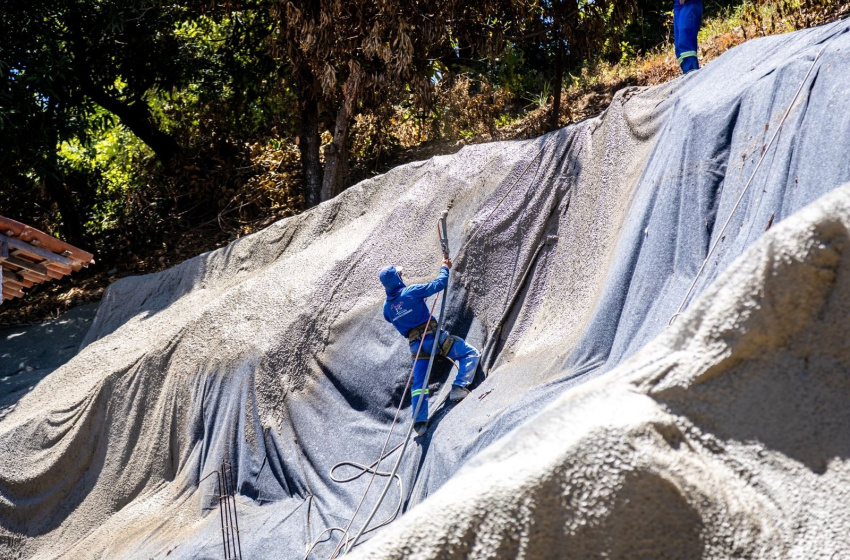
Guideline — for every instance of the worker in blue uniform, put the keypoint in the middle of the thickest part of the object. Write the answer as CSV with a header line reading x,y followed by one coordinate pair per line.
x,y
687,19
405,308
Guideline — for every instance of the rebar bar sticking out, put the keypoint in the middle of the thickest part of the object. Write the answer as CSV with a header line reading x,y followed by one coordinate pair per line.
x,y
227,470
231,542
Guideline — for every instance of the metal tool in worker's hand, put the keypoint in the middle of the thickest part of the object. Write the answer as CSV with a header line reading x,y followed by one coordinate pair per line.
x,y
444,234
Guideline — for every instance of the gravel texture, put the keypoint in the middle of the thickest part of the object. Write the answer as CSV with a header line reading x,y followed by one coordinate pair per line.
x,y
599,432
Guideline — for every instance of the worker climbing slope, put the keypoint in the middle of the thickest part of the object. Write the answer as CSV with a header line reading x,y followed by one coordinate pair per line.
x,y
405,308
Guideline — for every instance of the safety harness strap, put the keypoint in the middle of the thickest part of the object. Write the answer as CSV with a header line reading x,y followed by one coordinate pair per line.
x,y
414,334
445,348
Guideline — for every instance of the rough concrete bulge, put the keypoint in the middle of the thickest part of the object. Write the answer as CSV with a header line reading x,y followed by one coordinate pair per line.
x,y
599,432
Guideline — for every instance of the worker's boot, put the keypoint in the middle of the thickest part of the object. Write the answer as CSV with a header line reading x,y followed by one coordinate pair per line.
x,y
458,393
420,428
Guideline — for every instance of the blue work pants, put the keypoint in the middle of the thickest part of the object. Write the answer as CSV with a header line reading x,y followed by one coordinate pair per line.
x,y
462,354
687,19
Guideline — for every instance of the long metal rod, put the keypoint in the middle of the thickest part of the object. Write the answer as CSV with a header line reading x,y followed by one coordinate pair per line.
x,y
221,516
235,516
231,546
222,507
228,513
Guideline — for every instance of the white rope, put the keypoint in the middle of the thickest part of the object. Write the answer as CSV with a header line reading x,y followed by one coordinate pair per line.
x,y
744,191
510,189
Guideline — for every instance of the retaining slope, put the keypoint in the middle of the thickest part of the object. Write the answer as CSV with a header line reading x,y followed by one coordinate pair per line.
x,y
721,438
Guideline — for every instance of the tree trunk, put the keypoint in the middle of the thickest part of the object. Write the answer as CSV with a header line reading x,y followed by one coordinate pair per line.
x,y
138,119
58,191
72,222
336,156
555,117
134,115
309,143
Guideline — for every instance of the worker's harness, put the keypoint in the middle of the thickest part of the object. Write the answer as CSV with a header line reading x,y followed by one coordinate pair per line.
x,y
414,334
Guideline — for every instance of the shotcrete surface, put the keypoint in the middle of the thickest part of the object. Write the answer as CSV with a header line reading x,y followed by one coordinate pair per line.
x,y
599,431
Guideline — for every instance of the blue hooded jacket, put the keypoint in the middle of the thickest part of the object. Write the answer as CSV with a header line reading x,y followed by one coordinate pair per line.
x,y
405,306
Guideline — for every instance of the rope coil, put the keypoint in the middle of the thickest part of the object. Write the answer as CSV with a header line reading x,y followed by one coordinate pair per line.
x,y
373,468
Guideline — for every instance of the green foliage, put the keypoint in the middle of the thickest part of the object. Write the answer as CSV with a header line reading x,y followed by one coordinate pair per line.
x,y
92,91
112,159
127,124
779,16
509,69
540,100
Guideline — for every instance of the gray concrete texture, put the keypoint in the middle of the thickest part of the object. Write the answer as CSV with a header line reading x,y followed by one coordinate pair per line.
x,y
28,353
599,431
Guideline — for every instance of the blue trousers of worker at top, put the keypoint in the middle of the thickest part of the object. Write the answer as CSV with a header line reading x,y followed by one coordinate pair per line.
x,y
687,19
465,357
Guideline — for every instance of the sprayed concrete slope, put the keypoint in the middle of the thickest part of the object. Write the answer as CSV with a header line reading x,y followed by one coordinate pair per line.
x,y
28,353
725,437
722,438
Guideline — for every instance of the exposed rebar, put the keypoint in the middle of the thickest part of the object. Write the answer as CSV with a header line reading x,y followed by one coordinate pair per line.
x,y
231,542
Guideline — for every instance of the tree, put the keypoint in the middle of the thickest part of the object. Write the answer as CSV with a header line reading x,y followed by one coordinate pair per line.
x,y
573,31
36,112
62,59
198,82
350,56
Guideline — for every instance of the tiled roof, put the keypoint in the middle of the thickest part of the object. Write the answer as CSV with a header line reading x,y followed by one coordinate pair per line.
x,y
29,256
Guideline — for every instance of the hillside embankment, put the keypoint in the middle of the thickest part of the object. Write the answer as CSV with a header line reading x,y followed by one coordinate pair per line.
x,y
600,431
